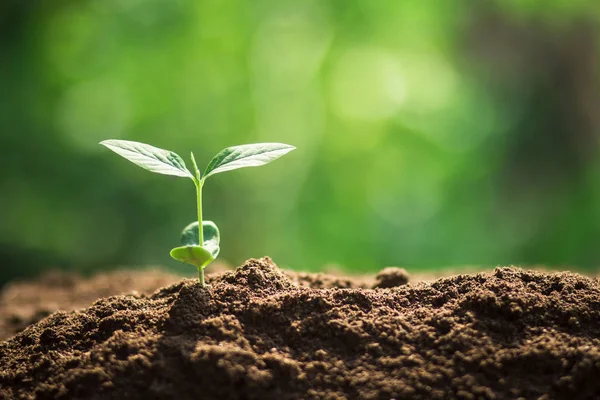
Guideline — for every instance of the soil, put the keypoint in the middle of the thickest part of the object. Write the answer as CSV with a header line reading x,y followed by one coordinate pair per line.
x,y
259,333
23,303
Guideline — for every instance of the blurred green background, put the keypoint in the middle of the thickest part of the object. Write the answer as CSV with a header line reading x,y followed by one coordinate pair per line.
x,y
429,133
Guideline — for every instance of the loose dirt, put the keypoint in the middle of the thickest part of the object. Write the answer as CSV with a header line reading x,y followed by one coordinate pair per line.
x,y
23,303
259,333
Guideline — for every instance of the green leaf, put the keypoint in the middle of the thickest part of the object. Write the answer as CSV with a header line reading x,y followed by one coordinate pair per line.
x,y
210,233
194,255
192,252
148,157
247,155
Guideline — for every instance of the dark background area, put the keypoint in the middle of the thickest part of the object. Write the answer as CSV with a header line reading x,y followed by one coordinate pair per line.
x,y
429,134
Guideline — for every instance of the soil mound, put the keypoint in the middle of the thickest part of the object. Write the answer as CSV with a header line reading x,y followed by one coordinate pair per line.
x,y
256,333
25,303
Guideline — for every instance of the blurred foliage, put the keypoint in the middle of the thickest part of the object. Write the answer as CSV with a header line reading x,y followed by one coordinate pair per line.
x,y
429,133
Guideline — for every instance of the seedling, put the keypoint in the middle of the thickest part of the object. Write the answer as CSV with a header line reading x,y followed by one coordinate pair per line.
x,y
199,247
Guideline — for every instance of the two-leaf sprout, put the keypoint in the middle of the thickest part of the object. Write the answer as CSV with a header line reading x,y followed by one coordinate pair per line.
x,y
199,247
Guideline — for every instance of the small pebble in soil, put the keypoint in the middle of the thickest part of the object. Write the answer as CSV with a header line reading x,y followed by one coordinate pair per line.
x,y
391,277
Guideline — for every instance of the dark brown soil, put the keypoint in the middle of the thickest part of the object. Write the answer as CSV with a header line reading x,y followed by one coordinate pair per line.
x,y
390,277
258,333
27,302
23,303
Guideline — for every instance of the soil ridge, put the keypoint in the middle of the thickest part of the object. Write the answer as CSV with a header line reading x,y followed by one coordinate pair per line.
x,y
258,333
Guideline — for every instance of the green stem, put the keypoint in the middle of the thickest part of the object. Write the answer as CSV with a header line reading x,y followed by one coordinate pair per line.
x,y
199,182
199,198
201,276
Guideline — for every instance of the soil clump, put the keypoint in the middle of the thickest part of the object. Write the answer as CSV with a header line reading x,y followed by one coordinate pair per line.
x,y
391,277
259,333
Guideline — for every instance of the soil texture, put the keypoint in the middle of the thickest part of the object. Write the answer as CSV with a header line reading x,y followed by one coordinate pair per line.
x,y
259,333
23,303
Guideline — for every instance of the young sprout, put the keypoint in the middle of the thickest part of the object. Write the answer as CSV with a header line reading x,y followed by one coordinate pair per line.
x,y
199,247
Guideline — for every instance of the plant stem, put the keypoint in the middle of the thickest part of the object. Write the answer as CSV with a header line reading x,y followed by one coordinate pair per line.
x,y
201,276
200,229
199,182
199,198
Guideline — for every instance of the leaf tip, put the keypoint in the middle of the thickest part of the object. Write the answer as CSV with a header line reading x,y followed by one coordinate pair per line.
x,y
286,146
107,142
